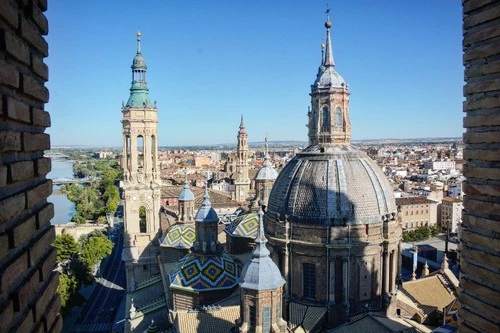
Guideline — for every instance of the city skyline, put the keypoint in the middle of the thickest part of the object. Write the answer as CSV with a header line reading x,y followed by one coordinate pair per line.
x,y
203,61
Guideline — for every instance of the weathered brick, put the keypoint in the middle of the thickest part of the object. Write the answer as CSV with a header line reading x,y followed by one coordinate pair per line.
x,y
11,206
482,120
48,265
42,5
21,170
45,215
469,238
35,89
479,306
482,137
481,17
36,141
482,51
42,245
18,110
32,35
39,19
479,222
484,173
3,175
40,67
482,155
471,5
57,326
12,272
43,165
482,103
481,86
482,324
6,315
483,190
16,47
4,246
39,193
24,230
9,13
41,117
481,35
9,75
29,289
482,206
479,290
47,296
10,141
489,67
53,310
26,323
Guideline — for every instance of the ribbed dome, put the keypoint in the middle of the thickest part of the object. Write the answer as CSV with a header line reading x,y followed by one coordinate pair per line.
x,y
332,185
329,78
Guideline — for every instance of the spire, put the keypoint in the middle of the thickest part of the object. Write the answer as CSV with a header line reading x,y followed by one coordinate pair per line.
x,y
328,58
260,250
139,96
242,125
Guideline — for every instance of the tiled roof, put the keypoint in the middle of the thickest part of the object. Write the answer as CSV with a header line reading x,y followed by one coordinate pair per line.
x,y
204,273
367,324
217,198
430,293
220,320
180,236
414,201
245,225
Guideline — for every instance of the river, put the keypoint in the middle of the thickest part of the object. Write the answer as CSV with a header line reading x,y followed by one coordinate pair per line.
x,y
63,208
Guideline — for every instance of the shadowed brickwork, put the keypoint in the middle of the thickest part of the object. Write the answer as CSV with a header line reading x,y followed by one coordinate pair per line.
x,y
28,299
480,263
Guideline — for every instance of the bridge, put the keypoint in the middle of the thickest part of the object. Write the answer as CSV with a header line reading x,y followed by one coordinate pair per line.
x,y
67,180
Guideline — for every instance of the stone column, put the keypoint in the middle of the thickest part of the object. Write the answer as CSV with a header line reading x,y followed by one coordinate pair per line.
x,y
331,263
133,155
385,273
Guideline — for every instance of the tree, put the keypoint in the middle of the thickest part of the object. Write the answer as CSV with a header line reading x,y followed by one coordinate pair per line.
x,y
66,247
94,249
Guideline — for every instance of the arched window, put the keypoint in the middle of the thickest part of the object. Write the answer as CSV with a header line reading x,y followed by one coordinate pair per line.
x,y
338,117
140,151
325,123
142,219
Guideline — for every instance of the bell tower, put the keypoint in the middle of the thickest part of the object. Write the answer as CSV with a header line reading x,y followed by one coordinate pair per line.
x,y
241,180
141,176
329,120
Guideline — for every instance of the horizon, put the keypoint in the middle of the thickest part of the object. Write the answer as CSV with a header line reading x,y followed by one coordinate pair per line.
x,y
208,64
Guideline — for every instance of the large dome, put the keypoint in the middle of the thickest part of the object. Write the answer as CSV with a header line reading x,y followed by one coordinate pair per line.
x,y
332,185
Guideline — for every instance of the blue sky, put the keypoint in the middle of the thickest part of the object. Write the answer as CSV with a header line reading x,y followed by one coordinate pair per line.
x,y
211,61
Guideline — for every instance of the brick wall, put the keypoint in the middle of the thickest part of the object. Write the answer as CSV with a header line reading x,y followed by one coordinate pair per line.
x,y
28,299
480,261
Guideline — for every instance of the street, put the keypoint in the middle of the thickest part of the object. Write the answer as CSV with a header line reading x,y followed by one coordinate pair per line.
x,y
99,312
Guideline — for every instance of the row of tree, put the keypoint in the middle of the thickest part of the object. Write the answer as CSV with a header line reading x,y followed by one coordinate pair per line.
x,y
420,234
94,201
78,261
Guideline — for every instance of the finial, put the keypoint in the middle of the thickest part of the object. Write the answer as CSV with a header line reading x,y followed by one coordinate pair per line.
x,y
185,177
138,42
266,147
206,185
444,263
323,52
328,58
241,123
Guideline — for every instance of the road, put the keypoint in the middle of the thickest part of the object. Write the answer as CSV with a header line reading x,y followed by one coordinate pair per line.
x,y
100,310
